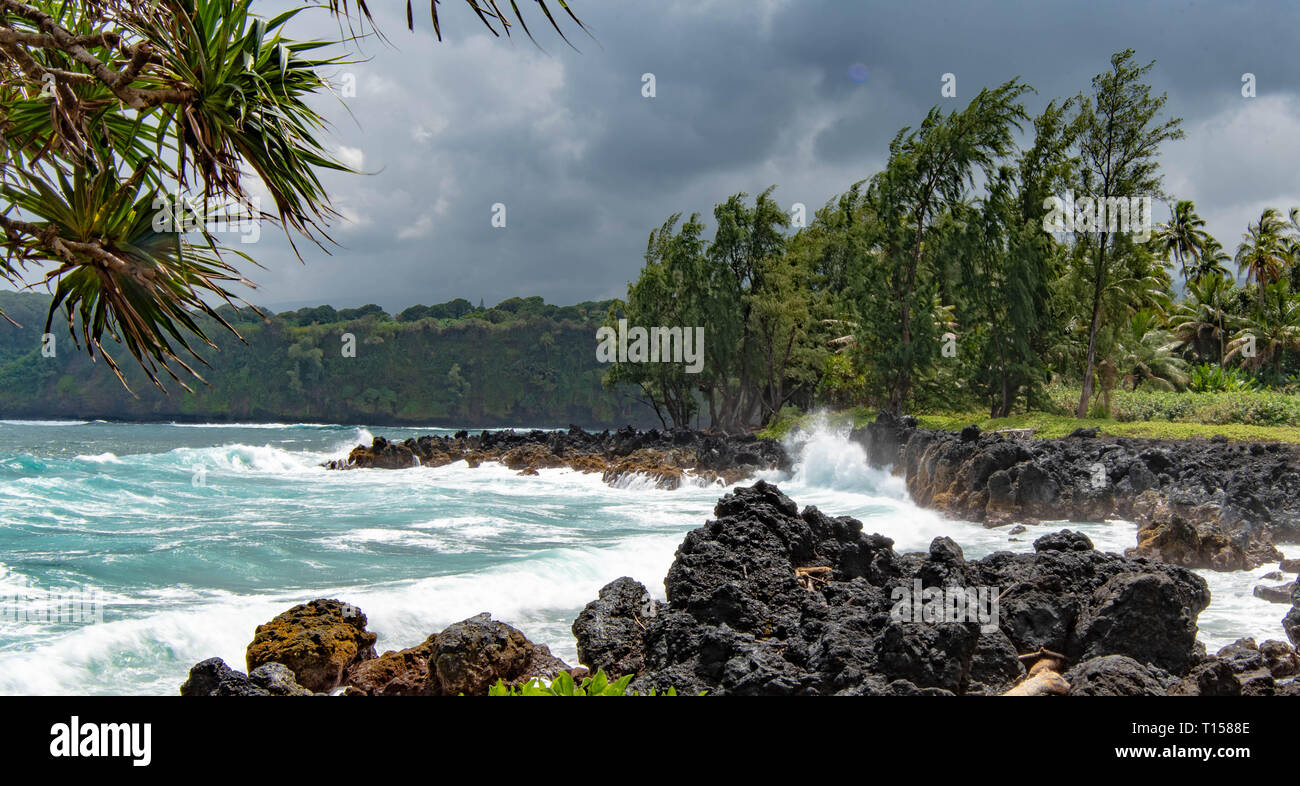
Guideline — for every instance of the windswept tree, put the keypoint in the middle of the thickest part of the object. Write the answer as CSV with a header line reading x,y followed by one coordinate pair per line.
x,y
1006,262
929,171
109,107
1120,132
746,247
670,292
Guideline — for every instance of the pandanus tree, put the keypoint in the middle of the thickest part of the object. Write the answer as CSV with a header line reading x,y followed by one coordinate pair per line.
x,y
109,107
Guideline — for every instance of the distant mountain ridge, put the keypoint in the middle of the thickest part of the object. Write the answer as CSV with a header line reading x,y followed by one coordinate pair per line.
x,y
522,361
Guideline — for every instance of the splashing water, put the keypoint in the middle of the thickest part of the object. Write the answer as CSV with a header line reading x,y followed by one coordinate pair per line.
x,y
186,570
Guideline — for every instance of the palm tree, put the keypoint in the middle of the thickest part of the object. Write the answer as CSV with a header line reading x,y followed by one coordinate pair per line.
x,y
1270,333
1264,251
1183,237
1203,318
1146,352
1212,261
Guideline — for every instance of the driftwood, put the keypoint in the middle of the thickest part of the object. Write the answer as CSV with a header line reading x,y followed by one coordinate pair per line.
x,y
1016,433
1043,683
809,577
1044,678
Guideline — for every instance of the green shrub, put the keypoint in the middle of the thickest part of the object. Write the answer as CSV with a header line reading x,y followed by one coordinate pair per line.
x,y
563,685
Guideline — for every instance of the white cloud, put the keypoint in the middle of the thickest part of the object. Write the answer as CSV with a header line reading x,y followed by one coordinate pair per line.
x,y
421,228
1236,162
352,157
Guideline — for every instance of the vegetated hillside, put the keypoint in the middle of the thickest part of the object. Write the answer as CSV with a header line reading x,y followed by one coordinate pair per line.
x,y
521,363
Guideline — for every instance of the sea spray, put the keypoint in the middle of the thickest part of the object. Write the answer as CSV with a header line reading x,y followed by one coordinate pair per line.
x,y
188,572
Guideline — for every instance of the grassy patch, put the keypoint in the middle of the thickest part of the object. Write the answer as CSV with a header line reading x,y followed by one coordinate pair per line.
x,y
1047,426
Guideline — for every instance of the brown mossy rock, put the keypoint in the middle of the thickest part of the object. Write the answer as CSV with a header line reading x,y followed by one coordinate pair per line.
x,y
663,467
1194,539
395,673
381,454
531,457
319,641
470,656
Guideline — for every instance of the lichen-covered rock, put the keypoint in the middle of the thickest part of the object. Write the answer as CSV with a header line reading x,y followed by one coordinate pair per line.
x,y
395,673
1172,537
213,677
319,641
277,680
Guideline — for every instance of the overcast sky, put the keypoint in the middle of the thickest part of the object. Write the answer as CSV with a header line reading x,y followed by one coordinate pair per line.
x,y
750,93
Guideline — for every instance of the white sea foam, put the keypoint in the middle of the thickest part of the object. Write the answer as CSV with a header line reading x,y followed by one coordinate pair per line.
x,y
416,549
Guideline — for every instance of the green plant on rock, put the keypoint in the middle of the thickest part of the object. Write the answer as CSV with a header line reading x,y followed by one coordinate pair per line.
x,y
564,685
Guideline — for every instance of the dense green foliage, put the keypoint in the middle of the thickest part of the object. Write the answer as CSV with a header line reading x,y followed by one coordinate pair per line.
x,y
940,285
521,363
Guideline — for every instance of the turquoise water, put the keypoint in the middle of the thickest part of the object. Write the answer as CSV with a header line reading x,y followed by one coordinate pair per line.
x,y
192,535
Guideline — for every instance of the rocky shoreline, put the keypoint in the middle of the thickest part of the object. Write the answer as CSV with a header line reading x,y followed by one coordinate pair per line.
x,y
668,458
1198,503
766,599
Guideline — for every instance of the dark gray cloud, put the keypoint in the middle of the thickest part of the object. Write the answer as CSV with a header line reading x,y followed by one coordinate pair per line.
x,y
749,94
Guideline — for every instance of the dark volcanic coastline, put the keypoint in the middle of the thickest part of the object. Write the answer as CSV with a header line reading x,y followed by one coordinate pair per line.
x,y
1198,503
767,599
667,457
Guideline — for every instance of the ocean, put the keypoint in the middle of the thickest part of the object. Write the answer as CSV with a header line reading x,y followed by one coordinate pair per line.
x,y
188,536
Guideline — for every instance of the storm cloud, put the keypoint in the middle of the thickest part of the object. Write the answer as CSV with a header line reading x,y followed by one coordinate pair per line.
x,y
803,94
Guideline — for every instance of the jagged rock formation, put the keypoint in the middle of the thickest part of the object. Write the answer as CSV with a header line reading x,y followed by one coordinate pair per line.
x,y
665,457
1203,504
765,599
